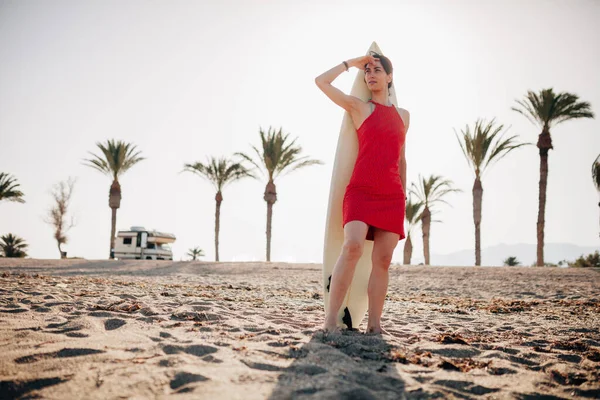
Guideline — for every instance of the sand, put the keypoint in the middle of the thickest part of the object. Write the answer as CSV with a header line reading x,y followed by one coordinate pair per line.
x,y
77,329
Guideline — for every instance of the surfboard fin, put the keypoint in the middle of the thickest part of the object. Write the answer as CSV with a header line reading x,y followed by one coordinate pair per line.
x,y
347,319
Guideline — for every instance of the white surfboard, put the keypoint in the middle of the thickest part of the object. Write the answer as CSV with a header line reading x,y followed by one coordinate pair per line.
x,y
355,305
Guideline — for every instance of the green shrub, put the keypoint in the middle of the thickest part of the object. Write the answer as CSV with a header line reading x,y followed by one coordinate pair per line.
x,y
591,260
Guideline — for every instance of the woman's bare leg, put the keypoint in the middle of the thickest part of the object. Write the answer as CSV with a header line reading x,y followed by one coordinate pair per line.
x,y
383,249
355,233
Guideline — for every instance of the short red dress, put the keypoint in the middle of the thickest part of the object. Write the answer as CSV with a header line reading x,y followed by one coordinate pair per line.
x,y
375,194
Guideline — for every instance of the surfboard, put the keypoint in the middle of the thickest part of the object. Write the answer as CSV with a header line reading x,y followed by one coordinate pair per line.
x,y
355,304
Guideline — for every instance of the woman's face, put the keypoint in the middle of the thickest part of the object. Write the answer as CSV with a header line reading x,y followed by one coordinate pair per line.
x,y
376,77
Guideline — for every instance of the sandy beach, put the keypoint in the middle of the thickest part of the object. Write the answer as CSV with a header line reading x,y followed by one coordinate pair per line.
x,y
75,329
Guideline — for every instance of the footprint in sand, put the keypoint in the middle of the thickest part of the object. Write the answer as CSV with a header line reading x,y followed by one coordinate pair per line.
x,y
262,366
572,358
64,353
532,365
102,314
465,387
195,350
210,358
114,323
15,389
13,310
185,378
68,328
453,352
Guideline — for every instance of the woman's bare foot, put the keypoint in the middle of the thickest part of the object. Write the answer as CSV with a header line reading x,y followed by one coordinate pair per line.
x,y
331,327
376,330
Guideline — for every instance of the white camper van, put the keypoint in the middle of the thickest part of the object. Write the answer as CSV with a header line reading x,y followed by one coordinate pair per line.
x,y
142,244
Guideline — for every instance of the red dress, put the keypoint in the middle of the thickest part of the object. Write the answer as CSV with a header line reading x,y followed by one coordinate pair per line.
x,y
375,194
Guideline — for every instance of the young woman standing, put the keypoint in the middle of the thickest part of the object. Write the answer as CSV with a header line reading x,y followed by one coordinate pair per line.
x,y
374,200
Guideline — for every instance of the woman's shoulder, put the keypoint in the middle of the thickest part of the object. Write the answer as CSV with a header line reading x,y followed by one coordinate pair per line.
x,y
402,110
405,115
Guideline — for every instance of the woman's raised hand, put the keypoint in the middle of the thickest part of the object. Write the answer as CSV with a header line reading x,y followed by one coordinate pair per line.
x,y
360,62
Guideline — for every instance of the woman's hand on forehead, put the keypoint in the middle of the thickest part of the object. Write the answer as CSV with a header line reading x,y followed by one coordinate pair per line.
x,y
373,64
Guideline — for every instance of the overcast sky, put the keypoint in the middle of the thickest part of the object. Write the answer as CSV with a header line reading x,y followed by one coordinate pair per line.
x,y
184,80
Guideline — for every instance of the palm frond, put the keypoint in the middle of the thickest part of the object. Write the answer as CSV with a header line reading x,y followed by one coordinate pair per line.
x,y
116,158
247,158
432,190
596,172
219,171
548,108
527,111
485,144
278,154
8,188
413,212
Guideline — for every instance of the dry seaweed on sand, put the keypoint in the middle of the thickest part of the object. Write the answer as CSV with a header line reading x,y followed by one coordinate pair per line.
x,y
451,339
502,306
120,307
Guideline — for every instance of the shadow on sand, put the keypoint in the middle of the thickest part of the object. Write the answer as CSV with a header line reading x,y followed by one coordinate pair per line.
x,y
346,365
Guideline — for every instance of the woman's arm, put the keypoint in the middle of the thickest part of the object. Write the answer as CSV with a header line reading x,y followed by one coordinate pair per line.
x,y
402,167
340,98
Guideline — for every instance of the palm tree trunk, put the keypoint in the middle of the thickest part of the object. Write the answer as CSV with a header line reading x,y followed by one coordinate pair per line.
x,y
544,144
270,197
269,218
114,202
407,250
541,221
425,226
218,200
113,228
477,204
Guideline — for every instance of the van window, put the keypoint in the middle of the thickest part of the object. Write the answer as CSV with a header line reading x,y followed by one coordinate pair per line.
x,y
127,240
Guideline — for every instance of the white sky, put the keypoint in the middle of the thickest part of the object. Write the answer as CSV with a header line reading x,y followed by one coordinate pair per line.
x,y
184,80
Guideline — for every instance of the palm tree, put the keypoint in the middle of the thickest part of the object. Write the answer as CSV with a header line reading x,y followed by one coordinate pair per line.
x,y
278,156
430,191
512,262
219,172
195,253
8,188
483,146
546,110
13,246
116,159
413,215
596,174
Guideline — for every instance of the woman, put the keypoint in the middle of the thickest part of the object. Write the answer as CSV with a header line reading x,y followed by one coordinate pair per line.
x,y
374,201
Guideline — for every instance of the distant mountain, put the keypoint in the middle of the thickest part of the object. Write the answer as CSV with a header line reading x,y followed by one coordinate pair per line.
x,y
525,253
